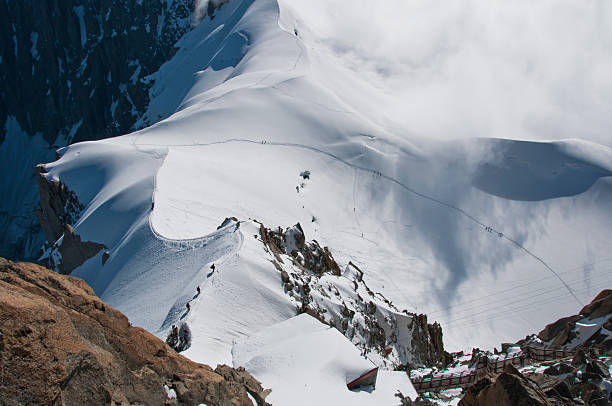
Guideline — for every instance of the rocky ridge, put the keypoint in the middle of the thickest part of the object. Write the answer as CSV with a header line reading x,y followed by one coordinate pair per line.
x,y
340,298
564,331
60,344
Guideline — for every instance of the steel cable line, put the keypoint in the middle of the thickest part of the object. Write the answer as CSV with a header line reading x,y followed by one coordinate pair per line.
x,y
517,286
498,315
527,293
489,309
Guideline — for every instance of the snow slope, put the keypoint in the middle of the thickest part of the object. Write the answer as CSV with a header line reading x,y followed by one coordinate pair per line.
x,y
318,357
492,237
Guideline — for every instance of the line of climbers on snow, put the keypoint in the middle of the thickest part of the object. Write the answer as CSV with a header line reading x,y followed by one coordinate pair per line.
x,y
180,337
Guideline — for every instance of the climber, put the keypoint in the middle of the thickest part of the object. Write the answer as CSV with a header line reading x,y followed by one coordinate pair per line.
x,y
198,289
173,337
188,306
212,267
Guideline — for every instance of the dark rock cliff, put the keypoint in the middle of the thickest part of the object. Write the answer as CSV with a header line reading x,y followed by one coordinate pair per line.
x,y
79,68
69,72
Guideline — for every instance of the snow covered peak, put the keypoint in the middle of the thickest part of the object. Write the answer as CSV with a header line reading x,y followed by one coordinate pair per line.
x,y
477,232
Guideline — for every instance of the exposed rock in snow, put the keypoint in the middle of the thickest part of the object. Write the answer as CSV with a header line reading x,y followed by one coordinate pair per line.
x,y
592,326
74,252
312,278
59,206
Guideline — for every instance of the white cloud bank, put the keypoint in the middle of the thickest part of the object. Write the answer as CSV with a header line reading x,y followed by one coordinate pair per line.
x,y
520,69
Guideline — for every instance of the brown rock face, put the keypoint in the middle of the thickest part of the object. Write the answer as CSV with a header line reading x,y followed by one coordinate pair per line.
x,y
600,306
561,332
74,251
510,388
61,345
427,339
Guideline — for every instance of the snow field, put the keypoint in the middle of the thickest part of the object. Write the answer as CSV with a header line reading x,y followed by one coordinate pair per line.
x,y
474,232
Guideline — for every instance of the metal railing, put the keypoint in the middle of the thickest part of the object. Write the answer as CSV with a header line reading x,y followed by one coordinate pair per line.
x,y
485,365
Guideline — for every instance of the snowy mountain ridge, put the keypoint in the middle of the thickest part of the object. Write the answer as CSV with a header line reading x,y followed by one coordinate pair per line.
x,y
251,102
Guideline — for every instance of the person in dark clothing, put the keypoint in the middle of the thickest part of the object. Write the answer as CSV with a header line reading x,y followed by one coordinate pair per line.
x,y
173,337
198,289
212,267
188,306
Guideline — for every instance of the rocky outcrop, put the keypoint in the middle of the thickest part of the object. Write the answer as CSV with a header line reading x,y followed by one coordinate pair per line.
x,y
427,340
563,331
600,306
75,252
59,207
314,281
308,255
60,344
510,388
560,332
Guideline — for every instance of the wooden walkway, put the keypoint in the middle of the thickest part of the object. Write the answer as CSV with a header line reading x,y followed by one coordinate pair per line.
x,y
485,365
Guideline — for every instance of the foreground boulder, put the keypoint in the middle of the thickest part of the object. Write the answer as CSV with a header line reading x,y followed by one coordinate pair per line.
x,y
510,388
61,345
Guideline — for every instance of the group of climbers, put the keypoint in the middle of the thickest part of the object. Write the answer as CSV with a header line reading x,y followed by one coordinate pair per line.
x,y
179,338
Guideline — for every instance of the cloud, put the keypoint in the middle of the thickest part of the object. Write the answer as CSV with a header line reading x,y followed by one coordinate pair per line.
x,y
521,69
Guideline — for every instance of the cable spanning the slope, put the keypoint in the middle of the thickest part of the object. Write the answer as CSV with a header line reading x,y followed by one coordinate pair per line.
x,y
528,306
513,288
390,179
521,301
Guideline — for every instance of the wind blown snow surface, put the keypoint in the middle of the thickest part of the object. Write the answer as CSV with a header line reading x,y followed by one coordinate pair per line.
x,y
480,197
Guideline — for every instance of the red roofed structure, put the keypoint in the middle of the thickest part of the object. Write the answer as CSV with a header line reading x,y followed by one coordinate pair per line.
x,y
367,379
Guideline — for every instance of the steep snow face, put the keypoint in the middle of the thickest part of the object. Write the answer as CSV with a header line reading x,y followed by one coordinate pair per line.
x,y
492,237
323,364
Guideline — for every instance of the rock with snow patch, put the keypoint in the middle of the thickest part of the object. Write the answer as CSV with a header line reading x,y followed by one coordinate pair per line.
x,y
312,278
600,306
